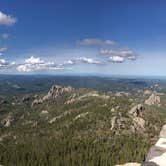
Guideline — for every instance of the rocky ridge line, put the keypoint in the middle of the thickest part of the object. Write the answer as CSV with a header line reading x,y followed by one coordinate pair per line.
x,y
53,93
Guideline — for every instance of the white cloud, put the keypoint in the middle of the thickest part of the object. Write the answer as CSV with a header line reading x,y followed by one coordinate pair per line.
x,y
32,60
5,35
7,19
33,64
69,62
3,49
114,54
36,64
81,60
88,60
120,52
123,53
4,63
129,54
30,67
24,68
96,42
117,59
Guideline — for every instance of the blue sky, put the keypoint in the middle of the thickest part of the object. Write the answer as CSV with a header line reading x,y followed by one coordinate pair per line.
x,y
124,37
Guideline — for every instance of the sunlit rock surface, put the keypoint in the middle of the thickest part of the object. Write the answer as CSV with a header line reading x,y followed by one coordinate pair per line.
x,y
157,153
130,164
153,99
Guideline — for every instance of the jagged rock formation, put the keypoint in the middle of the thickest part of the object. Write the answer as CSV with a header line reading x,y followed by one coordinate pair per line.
x,y
157,153
139,124
137,110
53,93
136,114
56,91
153,99
7,121
26,98
37,101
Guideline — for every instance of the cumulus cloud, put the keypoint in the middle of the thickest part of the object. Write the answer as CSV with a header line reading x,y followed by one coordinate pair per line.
x,y
110,49
121,54
26,68
33,64
95,42
129,54
81,60
88,60
7,20
36,64
117,59
32,60
4,63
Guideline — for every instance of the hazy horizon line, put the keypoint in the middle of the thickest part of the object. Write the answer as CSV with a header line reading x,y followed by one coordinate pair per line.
x,y
89,75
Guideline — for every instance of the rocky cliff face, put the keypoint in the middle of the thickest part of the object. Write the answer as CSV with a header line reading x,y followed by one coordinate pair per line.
x,y
136,115
56,91
137,110
153,99
53,93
